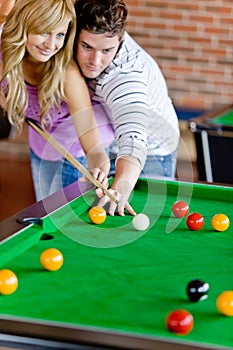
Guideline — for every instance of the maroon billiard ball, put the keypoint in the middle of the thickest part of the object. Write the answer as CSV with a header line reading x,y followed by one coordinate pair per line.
x,y
195,221
180,321
180,209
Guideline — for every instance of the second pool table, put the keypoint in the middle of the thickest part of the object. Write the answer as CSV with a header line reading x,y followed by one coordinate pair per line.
x,y
213,134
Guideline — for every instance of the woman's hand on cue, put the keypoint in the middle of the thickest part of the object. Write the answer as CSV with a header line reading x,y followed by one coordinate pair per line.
x,y
99,175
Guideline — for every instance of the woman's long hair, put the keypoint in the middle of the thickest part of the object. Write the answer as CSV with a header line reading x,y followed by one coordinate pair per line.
x,y
35,17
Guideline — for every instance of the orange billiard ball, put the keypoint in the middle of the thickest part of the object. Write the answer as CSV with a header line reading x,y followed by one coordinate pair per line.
x,y
97,215
220,222
51,259
180,209
8,282
180,321
224,303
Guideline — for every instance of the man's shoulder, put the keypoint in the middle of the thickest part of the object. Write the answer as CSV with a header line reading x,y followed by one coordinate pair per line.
x,y
129,49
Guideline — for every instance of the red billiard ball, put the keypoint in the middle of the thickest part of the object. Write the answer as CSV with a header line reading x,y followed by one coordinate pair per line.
x,y
224,303
51,259
97,215
220,222
8,282
180,209
180,322
195,221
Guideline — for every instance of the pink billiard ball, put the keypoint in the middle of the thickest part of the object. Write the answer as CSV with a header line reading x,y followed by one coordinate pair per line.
x,y
195,221
180,321
180,209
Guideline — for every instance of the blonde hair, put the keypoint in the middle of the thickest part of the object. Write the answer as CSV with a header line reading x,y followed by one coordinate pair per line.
x,y
35,17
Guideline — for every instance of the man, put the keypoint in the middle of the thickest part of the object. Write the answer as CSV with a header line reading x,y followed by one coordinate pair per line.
x,y
129,85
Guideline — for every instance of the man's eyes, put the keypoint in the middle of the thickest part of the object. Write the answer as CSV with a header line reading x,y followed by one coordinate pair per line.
x,y
86,47
106,51
89,48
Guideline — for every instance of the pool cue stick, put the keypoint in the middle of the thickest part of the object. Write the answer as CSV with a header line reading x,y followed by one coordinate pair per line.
x,y
69,157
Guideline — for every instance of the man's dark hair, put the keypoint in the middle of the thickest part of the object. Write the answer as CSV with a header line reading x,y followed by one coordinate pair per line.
x,y
101,16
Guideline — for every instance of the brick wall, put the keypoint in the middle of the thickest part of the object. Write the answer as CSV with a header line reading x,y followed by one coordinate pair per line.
x,y
192,41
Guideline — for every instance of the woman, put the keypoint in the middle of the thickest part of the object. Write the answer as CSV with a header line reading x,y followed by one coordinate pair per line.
x,y
39,81
5,7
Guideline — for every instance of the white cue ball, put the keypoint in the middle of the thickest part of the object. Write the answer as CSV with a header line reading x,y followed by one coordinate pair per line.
x,y
141,222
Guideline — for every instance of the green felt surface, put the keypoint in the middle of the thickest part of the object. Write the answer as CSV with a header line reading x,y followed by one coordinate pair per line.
x,y
126,280
223,119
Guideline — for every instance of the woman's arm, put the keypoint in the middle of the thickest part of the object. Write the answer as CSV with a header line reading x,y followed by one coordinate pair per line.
x,y
79,104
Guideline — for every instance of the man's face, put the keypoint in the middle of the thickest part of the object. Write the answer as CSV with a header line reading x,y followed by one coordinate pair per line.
x,y
95,52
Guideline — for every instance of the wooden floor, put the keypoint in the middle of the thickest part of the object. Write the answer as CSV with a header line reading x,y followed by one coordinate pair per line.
x,y
16,187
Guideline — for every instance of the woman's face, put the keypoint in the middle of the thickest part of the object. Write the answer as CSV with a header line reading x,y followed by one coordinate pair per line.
x,y
41,47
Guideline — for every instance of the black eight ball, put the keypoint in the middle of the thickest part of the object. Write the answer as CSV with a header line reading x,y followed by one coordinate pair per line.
x,y
197,290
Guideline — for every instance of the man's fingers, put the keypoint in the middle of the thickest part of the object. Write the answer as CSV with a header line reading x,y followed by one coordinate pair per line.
x,y
112,208
120,207
130,209
103,201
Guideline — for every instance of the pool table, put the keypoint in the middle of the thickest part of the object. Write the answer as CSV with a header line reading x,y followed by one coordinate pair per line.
x,y
117,284
213,135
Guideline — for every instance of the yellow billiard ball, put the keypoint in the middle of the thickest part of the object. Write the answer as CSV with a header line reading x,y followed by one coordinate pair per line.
x,y
8,282
220,222
224,303
51,259
97,215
